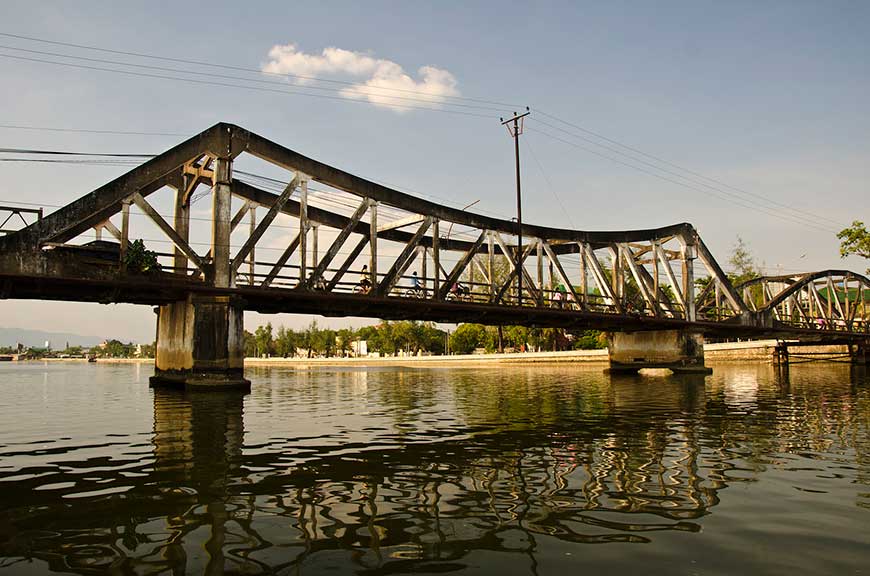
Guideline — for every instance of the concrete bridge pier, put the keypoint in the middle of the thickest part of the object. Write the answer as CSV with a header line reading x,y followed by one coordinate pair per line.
x,y
860,353
681,351
201,344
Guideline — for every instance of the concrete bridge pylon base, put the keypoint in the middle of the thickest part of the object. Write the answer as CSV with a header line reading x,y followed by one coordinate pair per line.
x,y
680,351
200,344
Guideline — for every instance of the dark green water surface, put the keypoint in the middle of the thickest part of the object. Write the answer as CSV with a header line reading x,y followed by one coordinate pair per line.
x,y
376,471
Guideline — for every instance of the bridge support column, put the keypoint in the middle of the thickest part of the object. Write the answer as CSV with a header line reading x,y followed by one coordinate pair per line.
x,y
681,351
860,353
201,344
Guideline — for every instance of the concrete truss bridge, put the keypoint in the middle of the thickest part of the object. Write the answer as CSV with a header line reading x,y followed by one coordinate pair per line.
x,y
311,238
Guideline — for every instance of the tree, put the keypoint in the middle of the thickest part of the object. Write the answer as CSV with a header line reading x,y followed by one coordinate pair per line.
x,y
466,338
590,340
263,339
344,342
855,240
285,342
742,263
250,345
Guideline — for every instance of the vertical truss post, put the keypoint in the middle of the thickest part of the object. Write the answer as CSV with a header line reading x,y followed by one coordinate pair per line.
x,y
303,229
617,279
490,265
252,256
540,263
584,281
424,253
373,243
687,259
315,228
222,271
182,224
436,259
125,230
846,298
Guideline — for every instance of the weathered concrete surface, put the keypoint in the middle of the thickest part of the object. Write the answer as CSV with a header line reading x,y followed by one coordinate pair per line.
x,y
200,343
677,350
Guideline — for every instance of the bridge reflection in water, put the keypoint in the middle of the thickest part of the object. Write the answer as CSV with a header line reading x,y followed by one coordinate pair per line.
x,y
611,461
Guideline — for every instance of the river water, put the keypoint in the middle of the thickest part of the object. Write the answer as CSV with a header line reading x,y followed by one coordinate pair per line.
x,y
520,470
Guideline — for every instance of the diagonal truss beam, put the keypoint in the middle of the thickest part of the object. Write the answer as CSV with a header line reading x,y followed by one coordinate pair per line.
x,y
264,224
719,275
282,260
517,265
404,260
601,278
338,242
179,242
450,279
342,270
645,291
560,271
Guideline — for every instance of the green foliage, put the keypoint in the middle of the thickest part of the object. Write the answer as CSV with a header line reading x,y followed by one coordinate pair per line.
x,y
387,338
742,263
855,240
590,340
285,342
467,337
139,259
117,349
263,339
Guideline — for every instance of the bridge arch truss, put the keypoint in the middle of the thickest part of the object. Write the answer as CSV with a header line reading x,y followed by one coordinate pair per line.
x,y
312,238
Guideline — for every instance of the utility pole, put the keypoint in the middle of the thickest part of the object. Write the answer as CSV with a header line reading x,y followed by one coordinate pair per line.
x,y
515,128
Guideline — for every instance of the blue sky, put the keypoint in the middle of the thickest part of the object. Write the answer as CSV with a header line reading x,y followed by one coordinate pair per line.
x,y
768,98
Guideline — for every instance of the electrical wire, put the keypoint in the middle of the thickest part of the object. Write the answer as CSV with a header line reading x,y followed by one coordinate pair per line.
x,y
357,90
244,69
550,184
754,196
787,217
243,87
802,215
87,131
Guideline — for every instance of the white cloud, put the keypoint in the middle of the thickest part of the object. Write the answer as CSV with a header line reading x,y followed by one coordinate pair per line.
x,y
379,81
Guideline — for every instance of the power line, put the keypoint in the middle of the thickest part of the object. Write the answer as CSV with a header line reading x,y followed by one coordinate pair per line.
x,y
550,184
66,153
798,213
672,164
428,98
87,131
433,100
241,87
790,218
274,181
244,69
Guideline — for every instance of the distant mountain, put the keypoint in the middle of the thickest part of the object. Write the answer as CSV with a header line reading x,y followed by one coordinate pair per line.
x,y
37,338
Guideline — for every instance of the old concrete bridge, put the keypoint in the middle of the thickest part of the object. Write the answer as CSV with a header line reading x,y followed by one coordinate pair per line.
x,y
387,255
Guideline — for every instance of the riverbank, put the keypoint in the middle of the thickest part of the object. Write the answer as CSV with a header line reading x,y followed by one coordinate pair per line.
x,y
722,352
